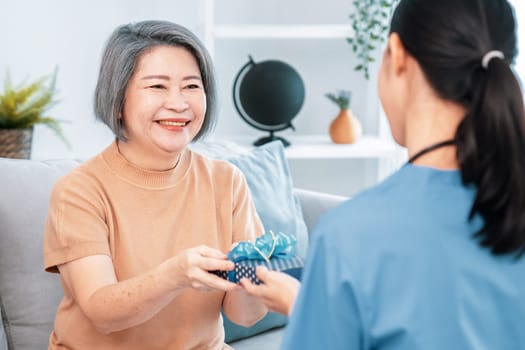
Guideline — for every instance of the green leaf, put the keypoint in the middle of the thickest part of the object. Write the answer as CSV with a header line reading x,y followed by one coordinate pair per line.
x,y
370,22
342,99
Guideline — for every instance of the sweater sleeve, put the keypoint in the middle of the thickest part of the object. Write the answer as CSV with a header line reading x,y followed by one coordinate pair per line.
x,y
76,224
246,223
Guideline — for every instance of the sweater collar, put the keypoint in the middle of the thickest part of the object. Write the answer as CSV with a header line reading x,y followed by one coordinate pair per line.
x,y
143,177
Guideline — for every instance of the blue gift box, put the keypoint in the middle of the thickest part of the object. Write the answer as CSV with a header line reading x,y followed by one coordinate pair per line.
x,y
246,268
275,251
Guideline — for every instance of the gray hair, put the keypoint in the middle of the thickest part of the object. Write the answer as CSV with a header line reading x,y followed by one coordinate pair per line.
x,y
124,48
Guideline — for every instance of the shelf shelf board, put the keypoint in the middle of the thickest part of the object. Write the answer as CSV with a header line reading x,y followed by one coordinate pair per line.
x,y
321,147
320,31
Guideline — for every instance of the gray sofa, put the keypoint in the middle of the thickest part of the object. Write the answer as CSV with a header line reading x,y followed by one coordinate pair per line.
x,y
28,295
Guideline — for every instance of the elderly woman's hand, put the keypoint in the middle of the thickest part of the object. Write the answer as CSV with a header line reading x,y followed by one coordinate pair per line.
x,y
277,291
191,269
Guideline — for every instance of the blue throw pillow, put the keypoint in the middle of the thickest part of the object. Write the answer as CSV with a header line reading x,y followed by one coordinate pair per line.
x,y
268,176
234,332
270,182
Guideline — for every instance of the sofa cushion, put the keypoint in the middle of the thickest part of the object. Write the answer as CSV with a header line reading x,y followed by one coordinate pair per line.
x,y
29,296
270,182
235,333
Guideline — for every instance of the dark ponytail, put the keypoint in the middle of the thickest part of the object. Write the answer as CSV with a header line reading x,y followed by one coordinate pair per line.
x,y
491,154
449,39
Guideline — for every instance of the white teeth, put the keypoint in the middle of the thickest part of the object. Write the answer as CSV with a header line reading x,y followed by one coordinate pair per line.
x,y
171,123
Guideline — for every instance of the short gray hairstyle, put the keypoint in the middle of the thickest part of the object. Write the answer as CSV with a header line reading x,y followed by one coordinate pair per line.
x,y
123,49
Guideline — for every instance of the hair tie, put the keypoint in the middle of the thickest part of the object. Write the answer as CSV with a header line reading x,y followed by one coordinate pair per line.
x,y
490,55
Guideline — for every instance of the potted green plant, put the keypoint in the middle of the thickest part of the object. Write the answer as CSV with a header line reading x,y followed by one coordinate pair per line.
x,y
345,128
21,108
370,23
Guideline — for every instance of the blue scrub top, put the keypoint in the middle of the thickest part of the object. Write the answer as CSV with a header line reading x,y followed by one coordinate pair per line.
x,y
397,267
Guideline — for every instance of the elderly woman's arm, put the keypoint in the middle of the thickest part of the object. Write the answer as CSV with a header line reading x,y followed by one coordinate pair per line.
x,y
114,305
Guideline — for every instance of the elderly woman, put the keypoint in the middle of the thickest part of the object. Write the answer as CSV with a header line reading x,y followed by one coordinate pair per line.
x,y
134,231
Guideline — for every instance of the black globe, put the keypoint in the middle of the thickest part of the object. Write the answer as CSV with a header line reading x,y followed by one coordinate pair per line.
x,y
268,95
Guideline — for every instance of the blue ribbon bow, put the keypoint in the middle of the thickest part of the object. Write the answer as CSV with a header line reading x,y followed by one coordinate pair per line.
x,y
267,246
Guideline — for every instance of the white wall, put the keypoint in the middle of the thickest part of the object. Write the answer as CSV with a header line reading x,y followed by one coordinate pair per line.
x,y
39,35
519,7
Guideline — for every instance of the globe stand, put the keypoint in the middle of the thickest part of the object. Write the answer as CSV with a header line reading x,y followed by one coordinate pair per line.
x,y
270,138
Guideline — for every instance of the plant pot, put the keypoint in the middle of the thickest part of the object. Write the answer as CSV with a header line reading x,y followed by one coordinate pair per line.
x,y
16,143
345,128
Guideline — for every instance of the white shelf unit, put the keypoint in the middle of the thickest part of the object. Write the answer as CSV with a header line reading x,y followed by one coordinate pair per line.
x,y
321,147
211,31
307,148
320,31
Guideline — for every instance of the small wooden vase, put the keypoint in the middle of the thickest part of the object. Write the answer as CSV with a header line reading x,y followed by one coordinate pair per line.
x,y
345,128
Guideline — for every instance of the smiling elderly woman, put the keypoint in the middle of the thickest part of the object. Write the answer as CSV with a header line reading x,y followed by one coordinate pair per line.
x,y
134,231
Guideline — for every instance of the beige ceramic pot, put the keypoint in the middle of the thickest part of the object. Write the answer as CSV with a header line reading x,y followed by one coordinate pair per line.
x,y
345,128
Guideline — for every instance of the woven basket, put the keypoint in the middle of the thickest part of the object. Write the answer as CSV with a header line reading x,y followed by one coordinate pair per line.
x,y
16,143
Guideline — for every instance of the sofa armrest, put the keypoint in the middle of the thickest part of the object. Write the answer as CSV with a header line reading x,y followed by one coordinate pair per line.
x,y
316,203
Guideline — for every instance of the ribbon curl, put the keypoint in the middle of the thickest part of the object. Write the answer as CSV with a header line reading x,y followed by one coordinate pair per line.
x,y
267,246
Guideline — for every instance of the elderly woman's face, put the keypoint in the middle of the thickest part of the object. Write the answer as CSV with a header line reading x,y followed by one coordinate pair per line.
x,y
165,102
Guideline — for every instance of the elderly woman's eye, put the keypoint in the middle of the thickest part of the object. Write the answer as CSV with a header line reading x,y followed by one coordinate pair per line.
x,y
193,86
